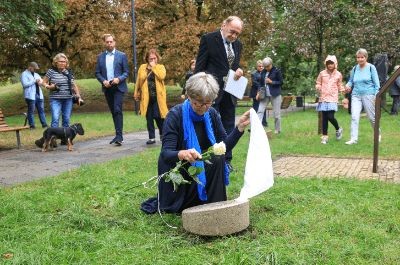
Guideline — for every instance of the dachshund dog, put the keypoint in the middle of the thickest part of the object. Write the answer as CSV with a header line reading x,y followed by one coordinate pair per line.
x,y
67,135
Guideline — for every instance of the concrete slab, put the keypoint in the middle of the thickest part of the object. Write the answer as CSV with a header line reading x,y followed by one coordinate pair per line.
x,y
217,219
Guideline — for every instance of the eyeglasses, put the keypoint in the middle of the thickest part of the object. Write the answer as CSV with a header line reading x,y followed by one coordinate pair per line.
x,y
200,105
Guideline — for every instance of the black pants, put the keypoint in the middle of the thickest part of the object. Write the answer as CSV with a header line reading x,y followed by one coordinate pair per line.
x,y
396,104
114,99
328,116
226,109
153,113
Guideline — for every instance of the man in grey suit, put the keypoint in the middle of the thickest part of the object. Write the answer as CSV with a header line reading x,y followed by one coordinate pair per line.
x,y
112,71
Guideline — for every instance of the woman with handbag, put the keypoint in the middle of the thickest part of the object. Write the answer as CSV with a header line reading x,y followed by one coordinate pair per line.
x,y
151,92
60,81
270,91
364,85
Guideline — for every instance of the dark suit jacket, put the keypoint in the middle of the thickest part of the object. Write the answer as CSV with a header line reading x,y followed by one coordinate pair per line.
x,y
213,60
277,80
121,69
255,83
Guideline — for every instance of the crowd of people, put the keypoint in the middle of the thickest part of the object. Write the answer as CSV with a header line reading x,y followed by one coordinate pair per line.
x,y
207,114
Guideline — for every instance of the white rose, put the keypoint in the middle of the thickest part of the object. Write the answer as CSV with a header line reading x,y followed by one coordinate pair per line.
x,y
219,148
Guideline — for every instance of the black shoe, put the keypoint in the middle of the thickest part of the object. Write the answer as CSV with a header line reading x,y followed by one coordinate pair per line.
x,y
32,127
151,141
230,167
118,142
113,140
45,126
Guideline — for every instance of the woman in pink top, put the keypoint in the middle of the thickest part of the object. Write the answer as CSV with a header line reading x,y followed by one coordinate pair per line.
x,y
328,85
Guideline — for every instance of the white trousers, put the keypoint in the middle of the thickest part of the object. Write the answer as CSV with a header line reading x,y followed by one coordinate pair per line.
x,y
357,103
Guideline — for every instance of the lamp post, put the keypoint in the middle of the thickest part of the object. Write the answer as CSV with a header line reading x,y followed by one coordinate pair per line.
x,y
199,4
134,50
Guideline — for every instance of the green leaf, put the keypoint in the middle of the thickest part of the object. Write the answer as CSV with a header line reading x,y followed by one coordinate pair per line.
x,y
192,170
199,170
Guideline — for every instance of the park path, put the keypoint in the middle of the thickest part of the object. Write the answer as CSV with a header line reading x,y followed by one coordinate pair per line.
x,y
18,166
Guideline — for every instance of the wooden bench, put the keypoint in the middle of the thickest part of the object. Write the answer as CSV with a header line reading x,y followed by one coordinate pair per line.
x,y
285,104
5,128
246,101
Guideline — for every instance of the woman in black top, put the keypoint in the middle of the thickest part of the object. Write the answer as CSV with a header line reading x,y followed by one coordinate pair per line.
x,y
190,129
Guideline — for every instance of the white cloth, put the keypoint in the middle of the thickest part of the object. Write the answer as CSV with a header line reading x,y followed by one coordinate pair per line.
x,y
258,175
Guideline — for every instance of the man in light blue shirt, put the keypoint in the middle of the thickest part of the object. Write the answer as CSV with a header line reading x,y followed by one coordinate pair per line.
x,y
33,94
112,71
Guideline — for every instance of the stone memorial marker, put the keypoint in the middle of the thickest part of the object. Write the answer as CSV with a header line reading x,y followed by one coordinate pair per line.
x,y
217,219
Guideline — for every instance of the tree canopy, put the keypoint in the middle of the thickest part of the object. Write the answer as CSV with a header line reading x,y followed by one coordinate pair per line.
x,y
297,34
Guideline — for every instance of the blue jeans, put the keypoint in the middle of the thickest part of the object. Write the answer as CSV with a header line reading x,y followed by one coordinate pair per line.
x,y
63,107
39,105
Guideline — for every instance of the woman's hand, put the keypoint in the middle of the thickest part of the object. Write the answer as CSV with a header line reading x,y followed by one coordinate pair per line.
x,y
258,96
189,155
244,120
347,89
50,87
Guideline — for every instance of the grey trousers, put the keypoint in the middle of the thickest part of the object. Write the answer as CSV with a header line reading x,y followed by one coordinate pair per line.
x,y
276,109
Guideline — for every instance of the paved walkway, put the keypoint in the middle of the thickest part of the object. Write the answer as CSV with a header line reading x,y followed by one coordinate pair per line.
x,y
331,167
18,166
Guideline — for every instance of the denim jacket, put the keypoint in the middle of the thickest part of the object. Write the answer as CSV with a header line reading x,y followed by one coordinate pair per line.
x,y
28,82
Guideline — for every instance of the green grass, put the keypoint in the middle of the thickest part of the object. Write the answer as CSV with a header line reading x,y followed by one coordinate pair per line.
x,y
299,136
86,216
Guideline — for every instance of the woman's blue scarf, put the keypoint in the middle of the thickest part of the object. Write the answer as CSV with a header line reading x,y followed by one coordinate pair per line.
x,y
190,137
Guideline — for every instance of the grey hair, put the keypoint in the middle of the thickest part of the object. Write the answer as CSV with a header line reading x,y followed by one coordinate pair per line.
x,y
267,61
202,86
232,18
58,57
363,52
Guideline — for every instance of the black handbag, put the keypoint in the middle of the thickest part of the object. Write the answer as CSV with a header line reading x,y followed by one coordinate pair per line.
x,y
262,91
75,99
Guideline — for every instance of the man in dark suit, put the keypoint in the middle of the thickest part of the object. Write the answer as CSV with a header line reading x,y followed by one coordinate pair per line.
x,y
112,71
220,51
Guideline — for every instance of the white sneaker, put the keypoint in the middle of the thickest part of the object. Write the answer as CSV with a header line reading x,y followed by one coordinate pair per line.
x,y
339,133
324,140
351,142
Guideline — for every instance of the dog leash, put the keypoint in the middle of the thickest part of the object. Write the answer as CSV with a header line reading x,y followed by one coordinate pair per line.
x,y
73,127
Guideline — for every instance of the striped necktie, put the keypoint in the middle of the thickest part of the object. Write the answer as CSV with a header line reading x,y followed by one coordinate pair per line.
x,y
231,55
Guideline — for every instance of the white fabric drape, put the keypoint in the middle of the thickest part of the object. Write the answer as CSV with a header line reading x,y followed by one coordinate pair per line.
x,y
258,176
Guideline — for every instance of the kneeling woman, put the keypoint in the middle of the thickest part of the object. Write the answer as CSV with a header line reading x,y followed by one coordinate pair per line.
x,y
190,129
